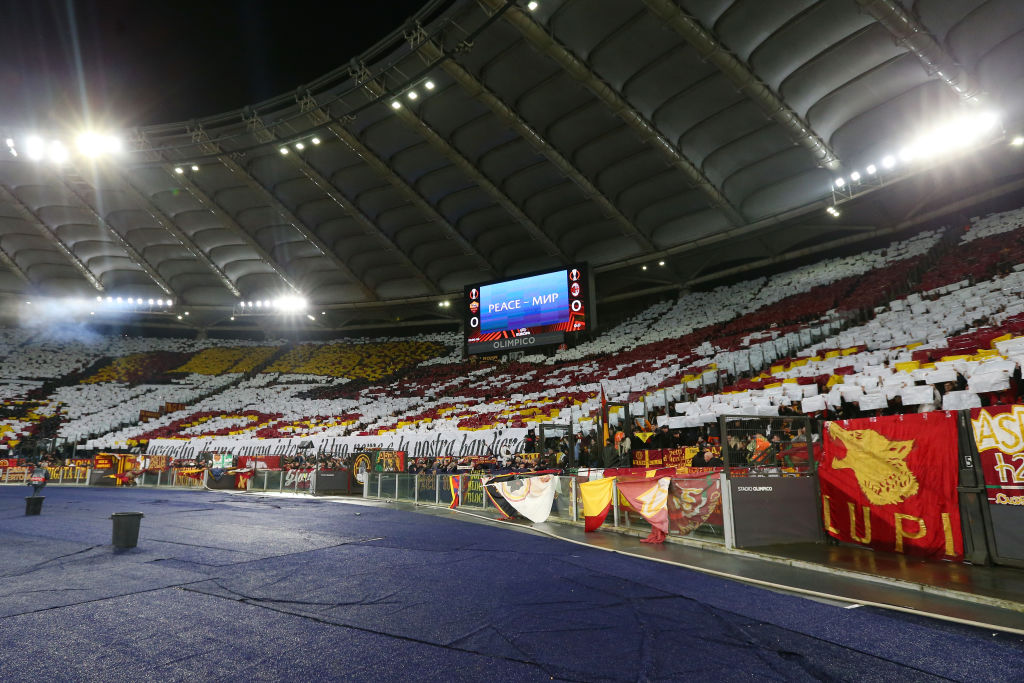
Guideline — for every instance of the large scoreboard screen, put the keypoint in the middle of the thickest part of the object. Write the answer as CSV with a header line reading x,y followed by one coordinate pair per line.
x,y
528,312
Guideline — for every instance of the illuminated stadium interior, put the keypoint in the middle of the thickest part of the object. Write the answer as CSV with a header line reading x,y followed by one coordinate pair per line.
x,y
506,215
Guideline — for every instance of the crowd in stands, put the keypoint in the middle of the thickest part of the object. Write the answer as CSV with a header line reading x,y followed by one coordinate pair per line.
x,y
934,321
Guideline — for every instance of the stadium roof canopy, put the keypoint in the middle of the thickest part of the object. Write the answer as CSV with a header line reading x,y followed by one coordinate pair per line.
x,y
486,139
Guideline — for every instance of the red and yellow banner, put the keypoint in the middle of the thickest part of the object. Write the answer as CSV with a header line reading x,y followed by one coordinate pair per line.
x,y
694,500
649,497
999,435
890,483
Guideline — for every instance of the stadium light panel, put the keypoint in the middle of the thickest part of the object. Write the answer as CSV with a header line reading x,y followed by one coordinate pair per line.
x,y
284,151
120,300
179,317
661,263
412,95
839,182
10,142
429,85
310,317
395,104
58,152
195,167
179,170
1018,141
532,5
150,302
855,176
315,141
232,317
643,268
299,146
888,161
159,302
871,169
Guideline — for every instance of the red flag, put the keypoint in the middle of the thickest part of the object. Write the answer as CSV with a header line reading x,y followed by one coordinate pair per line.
x,y
649,497
891,482
694,500
454,482
597,501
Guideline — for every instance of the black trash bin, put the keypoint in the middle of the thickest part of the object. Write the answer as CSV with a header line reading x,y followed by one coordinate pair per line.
x,y
126,529
34,505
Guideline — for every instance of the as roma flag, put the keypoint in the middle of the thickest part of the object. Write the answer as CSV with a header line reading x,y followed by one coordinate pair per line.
x,y
649,497
890,483
597,501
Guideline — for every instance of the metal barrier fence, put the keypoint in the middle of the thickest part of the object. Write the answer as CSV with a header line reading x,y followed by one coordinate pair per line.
x,y
768,445
430,489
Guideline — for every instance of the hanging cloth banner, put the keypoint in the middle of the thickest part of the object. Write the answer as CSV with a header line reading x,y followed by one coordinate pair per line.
x,y
999,433
493,495
454,482
597,501
693,501
531,497
890,483
649,497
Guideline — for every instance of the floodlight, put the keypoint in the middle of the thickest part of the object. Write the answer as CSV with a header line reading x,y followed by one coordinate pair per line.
x,y
1018,141
58,152
299,146
35,148
110,299
661,263
440,304
266,303
150,302
195,167
131,301
310,317
412,95
429,85
888,161
532,5
10,142
179,170
119,300
906,154
872,169
232,317
315,141
395,104
259,304
159,302
855,176
643,268
89,144
284,150
840,182
179,317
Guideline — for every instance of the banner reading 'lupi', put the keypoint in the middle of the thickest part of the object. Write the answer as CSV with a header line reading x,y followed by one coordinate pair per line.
x,y
890,483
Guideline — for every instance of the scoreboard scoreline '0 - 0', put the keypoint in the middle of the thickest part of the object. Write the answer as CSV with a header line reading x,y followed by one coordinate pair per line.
x,y
539,309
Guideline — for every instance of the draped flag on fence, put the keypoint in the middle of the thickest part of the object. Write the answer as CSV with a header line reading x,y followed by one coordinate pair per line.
x,y
999,434
890,483
454,481
597,501
649,497
693,500
497,500
531,496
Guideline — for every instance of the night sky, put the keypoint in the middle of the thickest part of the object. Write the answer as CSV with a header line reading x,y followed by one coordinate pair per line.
x,y
147,61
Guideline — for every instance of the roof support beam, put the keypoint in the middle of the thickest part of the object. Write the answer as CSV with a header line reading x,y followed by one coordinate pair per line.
x,y
334,194
201,137
579,70
207,203
296,223
167,224
435,139
510,118
8,261
231,224
712,50
29,216
909,31
133,254
331,191
379,165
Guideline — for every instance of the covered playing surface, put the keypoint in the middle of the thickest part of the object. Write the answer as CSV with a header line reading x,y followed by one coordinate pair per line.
x,y
245,587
